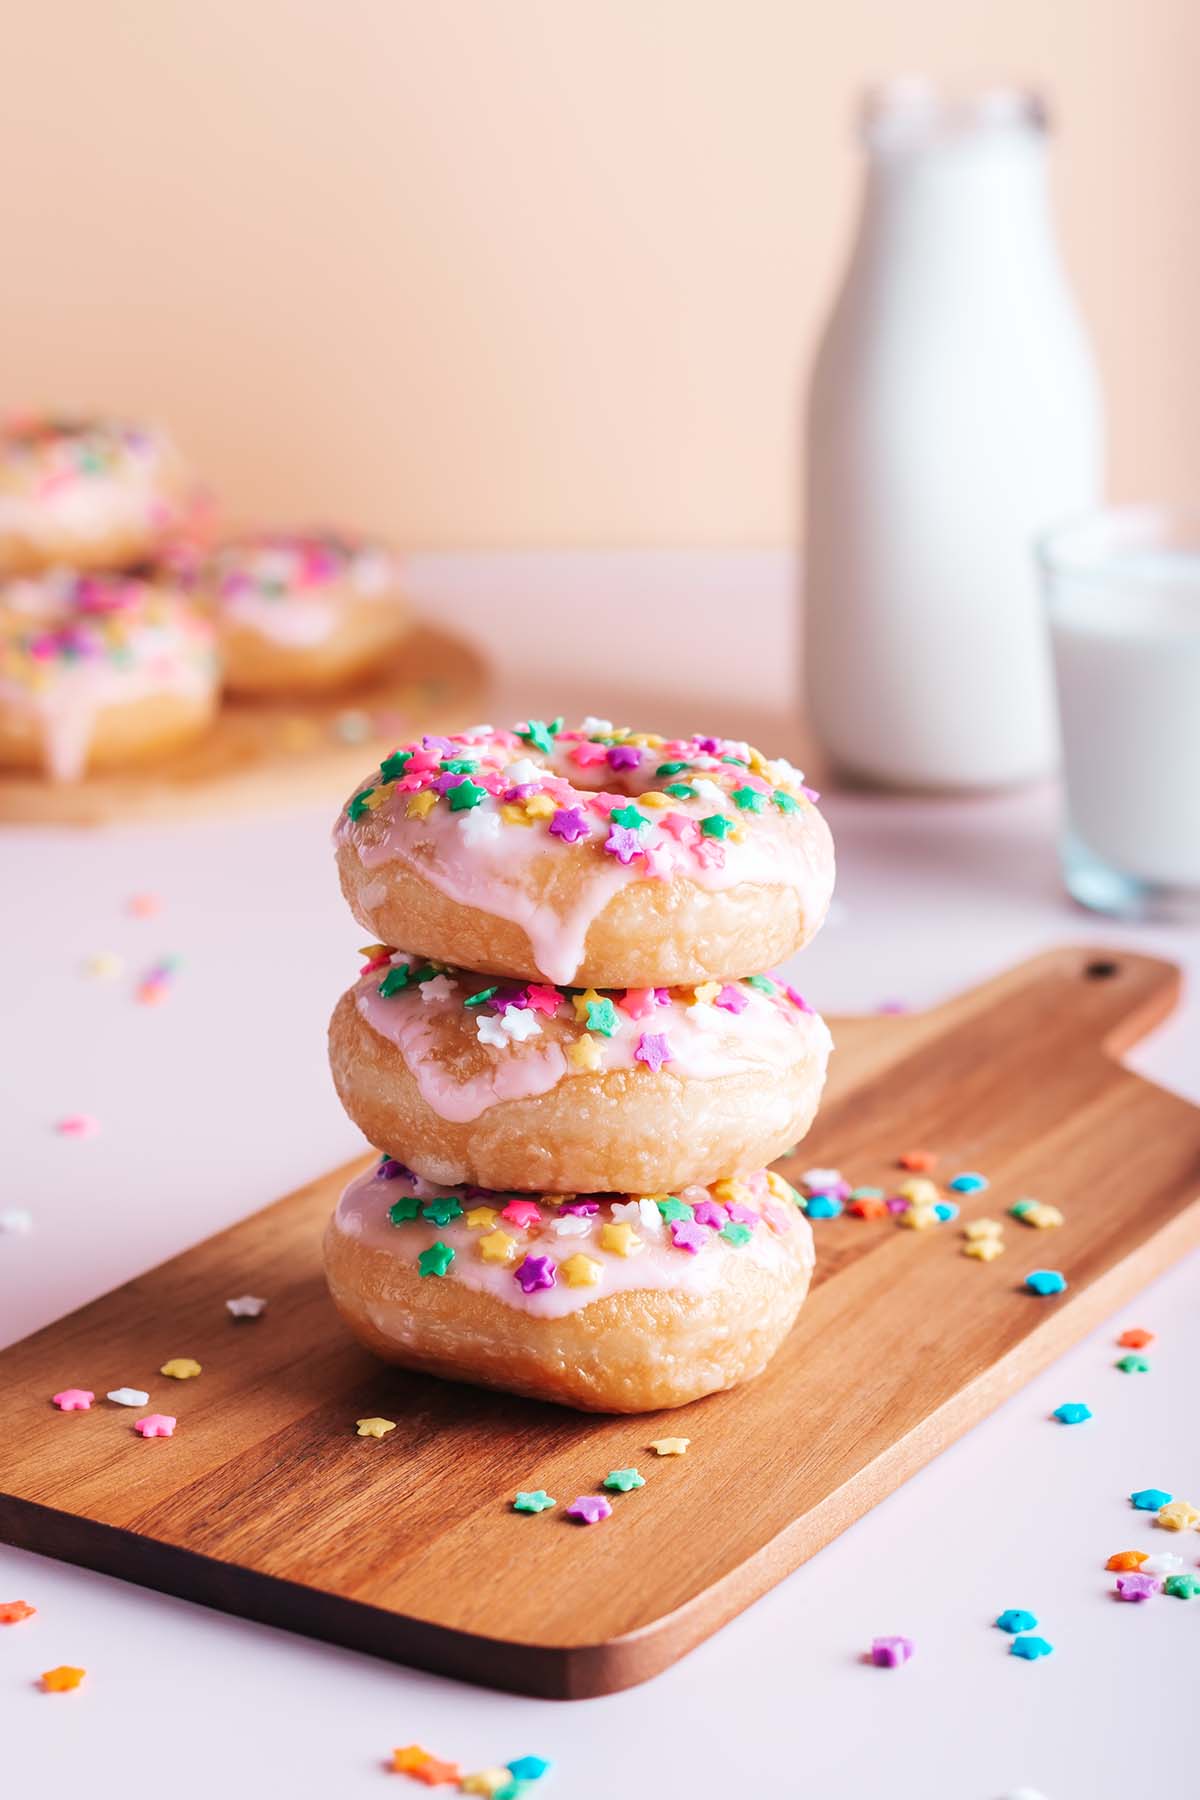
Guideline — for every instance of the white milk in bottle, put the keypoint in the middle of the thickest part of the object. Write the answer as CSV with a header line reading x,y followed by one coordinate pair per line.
x,y
954,415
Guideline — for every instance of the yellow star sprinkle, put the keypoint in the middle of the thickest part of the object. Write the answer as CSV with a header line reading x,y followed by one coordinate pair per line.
x,y
982,1228
654,799
180,1368
706,993
512,814
581,1002
498,1247
375,1428
1178,1515
670,1446
580,1270
920,1218
777,1187
485,1781
1044,1217
920,1191
421,805
555,1199
984,1249
379,796
540,806
623,1240
482,1218
584,1055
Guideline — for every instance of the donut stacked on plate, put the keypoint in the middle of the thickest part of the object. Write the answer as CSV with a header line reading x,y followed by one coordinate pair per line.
x,y
566,1049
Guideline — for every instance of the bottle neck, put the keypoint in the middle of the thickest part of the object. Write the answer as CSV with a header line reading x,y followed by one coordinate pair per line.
x,y
979,193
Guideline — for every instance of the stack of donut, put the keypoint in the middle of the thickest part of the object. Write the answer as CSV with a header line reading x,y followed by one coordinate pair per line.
x,y
566,1050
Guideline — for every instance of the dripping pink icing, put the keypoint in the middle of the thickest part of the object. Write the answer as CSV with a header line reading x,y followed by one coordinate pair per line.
x,y
362,1214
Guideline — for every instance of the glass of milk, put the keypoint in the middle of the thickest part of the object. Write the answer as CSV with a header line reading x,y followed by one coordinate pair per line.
x,y
1122,590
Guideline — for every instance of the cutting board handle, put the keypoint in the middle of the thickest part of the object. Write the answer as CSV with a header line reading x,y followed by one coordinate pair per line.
x,y
1113,997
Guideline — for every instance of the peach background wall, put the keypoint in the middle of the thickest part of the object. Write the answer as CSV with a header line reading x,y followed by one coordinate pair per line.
x,y
537,271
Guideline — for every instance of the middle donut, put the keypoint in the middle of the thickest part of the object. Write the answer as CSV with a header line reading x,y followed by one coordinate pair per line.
x,y
561,1090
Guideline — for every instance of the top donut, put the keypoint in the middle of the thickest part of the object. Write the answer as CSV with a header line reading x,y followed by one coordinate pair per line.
x,y
599,856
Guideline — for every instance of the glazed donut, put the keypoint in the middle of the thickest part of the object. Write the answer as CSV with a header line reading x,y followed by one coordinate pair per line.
x,y
87,493
602,857
532,1087
600,1303
302,613
99,671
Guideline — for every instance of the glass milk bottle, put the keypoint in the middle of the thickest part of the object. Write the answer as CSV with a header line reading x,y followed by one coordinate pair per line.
x,y
954,415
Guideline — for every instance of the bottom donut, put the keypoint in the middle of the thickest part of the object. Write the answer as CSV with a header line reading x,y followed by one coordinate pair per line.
x,y
599,1302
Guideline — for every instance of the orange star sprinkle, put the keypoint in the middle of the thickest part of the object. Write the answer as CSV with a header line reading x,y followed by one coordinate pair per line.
x,y
1135,1339
60,1680
422,1765
13,1611
410,1757
919,1161
1126,1559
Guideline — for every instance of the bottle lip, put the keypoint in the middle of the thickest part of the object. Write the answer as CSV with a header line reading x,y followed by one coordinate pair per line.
x,y
911,112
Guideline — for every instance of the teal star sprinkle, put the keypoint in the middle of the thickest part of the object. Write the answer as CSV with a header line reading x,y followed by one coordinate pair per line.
x,y
629,816
602,1017
401,1212
436,1260
735,1234
1030,1648
541,735
528,1768
762,983
393,766
459,765
678,790
621,1481
784,801
394,981
440,1212
466,795
716,825
535,1501
358,806
671,768
672,1209
748,799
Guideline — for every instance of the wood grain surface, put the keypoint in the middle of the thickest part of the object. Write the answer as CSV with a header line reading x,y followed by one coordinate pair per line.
x,y
267,1504
265,755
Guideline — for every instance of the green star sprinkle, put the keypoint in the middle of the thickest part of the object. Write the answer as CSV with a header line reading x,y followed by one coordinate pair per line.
x,y
459,765
679,791
672,1209
396,979
739,760
602,1017
735,1234
716,825
479,998
358,806
762,983
537,1500
402,1212
1133,1365
622,1480
436,1260
629,816
425,973
748,798
1019,1208
784,801
1184,1587
466,795
393,766
675,768
541,735
440,1212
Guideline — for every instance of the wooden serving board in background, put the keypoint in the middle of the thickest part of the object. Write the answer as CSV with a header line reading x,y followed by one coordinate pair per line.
x,y
267,1504
271,754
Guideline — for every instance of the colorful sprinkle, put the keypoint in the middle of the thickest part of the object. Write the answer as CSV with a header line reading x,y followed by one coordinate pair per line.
x,y
623,1481
181,1368
156,1425
13,1611
1072,1412
374,1428
436,1259
533,1500
246,1306
1126,1560
128,1396
1132,1364
1137,1587
1178,1515
653,1049
670,1446
529,1768
589,1509
968,1183
580,1270
1135,1339
1031,1648
1046,1281
62,1679
536,1273
498,1247
1183,1587
1150,1499
891,1652
1015,1619
78,1125
73,1399
822,1206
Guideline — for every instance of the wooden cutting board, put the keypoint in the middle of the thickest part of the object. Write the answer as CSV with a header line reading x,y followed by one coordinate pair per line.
x,y
266,1503
265,755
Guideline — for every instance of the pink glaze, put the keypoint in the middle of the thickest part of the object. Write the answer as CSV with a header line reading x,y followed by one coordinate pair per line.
x,y
362,1214
294,589
706,1040
478,858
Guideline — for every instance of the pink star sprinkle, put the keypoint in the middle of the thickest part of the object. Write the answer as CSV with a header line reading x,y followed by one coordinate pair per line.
x,y
687,1235
543,1000
732,999
534,1273
797,999
582,1209
589,1509
709,853
637,1002
521,1212
586,756
79,1125
710,1213
742,1215
681,827
622,842
653,1049
156,1425
74,1399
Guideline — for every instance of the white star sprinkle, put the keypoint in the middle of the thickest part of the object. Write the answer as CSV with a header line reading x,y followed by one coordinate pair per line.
x,y
522,771
819,1181
128,1396
246,1306
597,727
520,1022
437,989
479,823
708,790
490,1030
572,1225
628,1210
652,1219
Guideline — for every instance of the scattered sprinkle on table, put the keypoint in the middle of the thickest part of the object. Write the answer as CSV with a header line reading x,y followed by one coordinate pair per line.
x,y
822,1206
968,1183
1165,1562
676,1446
1030,1648
589,1509
985,1249
144,906
1132,1364
1178,1515
413,1759
156,1425
73,1399
528,1768
62,1679
919,1161
127,1396
891,1652
1183,1587
1150,1499
1135,1339
487,1782
1015,1619
374,1428
13,1611
105,965
181,1368
533,1500
1072,1412
1046,1281
1126,1560
78,1125
621,1481
246,1306
1136,1587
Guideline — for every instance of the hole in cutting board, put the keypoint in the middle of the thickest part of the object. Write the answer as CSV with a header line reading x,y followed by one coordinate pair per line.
x,y
1101,971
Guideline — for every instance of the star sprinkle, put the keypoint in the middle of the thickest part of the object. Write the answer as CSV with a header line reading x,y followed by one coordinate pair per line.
x,y
985,1249
374,1428
1183,1587
827,1206
1030,1648
441,1211
623,844
569,824
542,999
525,1213
584,1055
156,1425
481,997
687,1235
1135,1339
246,1306
490,1029
580,1270
1165,1563
968,1183
181,1368
1126,1560
422,1765
1132,1364
629,817
1072,1412
747,799
395,981
1137,1587
623,1481
404,1210
1150,1499
73,1399
482,1218
653,1049
589,1509
1016,1619
13,1611
1178,1515
519,1023
1046,1281
736,1234
465,795
487,1782
127,1396
498,1247
571,1226
602,1017
670,1446
891,1652
529,1768
672,1209
440,988
78,1125
536,1273
62,1679
436,1259
982,1228
622,1240
536,1500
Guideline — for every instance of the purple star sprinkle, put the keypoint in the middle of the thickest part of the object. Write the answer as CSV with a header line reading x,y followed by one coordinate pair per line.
x,y
742,1215
589,1509
505,997
390,1168
711,1213
653,1050
534,1273
810,794
662,996
624,756
732,999
687,1235
583,1209
896,1204
1137,1587
891,1652
442,745
622,842
708,746
444,783
569,824
523,790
